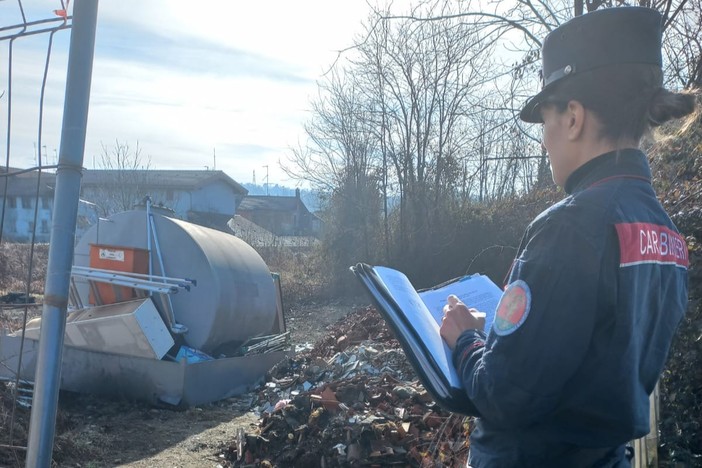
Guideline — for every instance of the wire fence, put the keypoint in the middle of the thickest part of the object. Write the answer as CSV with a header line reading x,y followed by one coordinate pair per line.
x,y
26,205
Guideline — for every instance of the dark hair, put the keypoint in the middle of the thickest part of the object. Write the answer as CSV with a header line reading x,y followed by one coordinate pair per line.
x,y
628,99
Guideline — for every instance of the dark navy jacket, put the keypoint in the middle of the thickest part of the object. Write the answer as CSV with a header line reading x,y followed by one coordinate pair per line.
x,y
606,274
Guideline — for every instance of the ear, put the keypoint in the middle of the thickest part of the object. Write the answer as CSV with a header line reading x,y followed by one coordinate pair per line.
x,y
575,113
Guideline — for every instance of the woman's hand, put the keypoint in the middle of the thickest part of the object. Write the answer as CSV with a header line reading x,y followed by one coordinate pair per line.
x,y
457,319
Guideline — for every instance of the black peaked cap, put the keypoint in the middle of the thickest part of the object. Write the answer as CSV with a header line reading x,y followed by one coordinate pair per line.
x,y
599,39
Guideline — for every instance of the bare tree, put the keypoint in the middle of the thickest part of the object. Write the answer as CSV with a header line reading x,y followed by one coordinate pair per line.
x,y
122,181
422,78
517,28
407,113
340,158
683,46
424,108
340,136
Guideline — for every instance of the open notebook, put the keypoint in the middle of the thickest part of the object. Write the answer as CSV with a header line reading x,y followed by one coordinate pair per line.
x,y
415,318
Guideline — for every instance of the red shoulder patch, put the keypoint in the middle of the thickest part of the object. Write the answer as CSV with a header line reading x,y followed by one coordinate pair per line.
x,y
650,243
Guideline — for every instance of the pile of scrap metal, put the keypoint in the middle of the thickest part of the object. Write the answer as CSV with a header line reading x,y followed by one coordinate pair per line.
x,y
352,400
165,311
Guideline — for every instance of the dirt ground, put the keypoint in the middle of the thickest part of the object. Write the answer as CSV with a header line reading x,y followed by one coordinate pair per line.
x,y
109,433
98,432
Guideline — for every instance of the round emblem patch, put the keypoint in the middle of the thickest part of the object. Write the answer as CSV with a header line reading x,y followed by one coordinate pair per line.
x,y
513,308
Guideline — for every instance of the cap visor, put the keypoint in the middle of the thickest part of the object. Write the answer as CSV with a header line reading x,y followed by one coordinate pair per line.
x,y
530,112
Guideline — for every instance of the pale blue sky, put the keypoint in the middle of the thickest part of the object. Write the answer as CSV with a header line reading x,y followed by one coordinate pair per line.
x,y
185,79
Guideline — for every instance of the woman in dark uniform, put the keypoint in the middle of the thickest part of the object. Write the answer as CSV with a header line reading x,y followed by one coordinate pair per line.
x,y
599,284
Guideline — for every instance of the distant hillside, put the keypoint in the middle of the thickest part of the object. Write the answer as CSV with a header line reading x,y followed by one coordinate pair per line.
x,y
309,197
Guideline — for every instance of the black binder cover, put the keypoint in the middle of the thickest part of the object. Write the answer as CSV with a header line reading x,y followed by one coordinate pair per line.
x,y
448,397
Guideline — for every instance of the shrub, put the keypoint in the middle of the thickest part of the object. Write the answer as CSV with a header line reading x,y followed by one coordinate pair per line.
x,y
15,264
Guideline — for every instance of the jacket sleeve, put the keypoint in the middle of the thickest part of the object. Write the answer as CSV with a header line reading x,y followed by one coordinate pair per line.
x,y
516,378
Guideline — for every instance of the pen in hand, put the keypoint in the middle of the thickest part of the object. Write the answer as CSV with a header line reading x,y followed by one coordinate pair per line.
x,y
457,319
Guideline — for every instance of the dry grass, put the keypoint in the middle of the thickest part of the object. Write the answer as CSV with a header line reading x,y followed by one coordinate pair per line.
x,y
303,276
16,262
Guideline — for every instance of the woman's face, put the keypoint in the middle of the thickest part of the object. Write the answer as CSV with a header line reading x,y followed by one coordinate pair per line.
x,y
555,141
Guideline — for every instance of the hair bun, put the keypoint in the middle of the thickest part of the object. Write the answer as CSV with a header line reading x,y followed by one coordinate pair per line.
x,y
666,105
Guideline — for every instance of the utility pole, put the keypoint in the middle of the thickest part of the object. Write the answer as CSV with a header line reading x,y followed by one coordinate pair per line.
x,y
266,179
214,159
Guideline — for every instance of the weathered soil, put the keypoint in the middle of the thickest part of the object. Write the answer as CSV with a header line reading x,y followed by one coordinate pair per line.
x,y
382,425
93,431
113,433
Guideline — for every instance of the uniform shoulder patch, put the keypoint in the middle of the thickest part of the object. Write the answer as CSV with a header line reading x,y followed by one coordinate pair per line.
x,y
513,308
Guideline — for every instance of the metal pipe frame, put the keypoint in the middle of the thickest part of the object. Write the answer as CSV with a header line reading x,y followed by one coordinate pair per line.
x,y
42,425
180,282
164,288
152,286
64,24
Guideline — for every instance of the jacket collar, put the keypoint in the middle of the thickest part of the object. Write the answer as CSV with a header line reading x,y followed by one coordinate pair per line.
x,y
628,162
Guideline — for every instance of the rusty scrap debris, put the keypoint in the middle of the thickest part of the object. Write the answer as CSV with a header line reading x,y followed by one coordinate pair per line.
x,y
351,400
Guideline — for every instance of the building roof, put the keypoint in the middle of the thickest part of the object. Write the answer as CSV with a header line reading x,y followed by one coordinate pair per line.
x,y
25,184
5,170
250,232
257,236
270,203
216,221
177,179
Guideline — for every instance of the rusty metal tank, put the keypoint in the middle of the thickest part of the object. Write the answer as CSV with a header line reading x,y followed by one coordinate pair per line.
x,y
235,296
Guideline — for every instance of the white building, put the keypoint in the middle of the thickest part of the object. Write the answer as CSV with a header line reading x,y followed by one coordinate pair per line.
x,y
208,198
26,202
